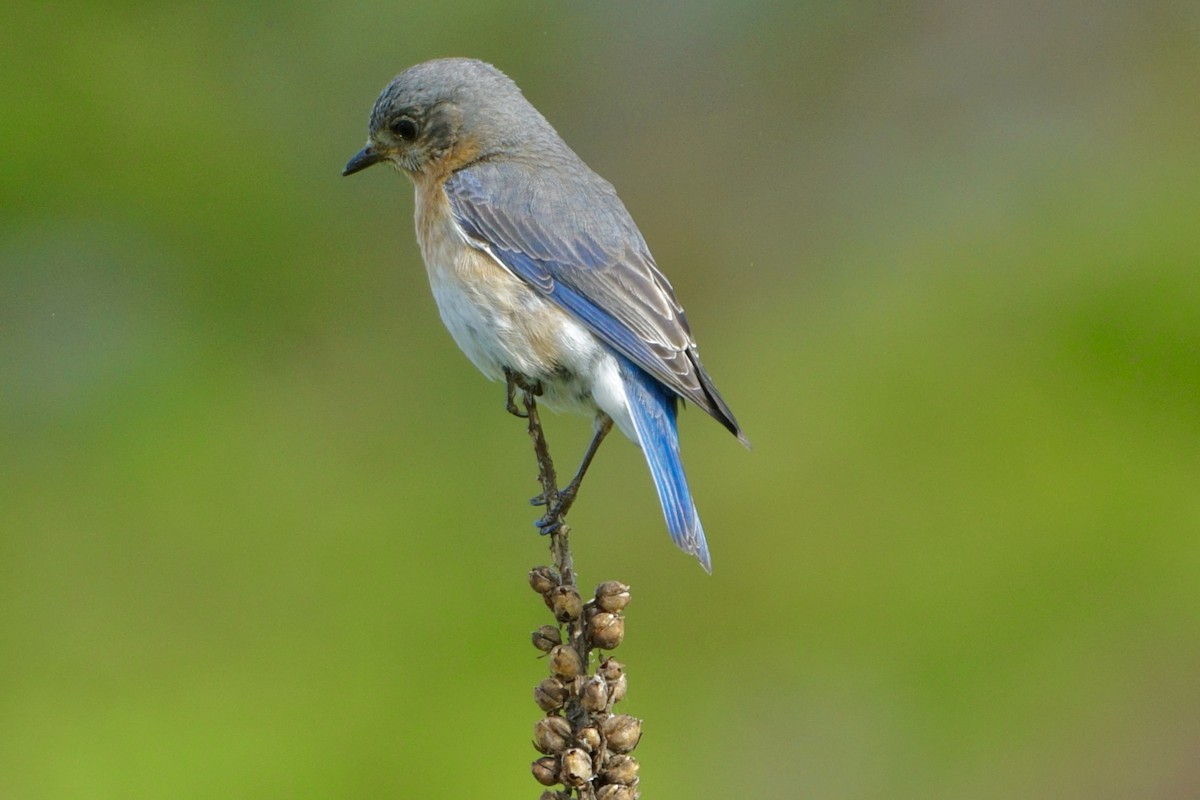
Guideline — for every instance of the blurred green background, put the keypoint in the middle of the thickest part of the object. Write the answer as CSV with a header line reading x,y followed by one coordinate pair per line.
x,y
263,530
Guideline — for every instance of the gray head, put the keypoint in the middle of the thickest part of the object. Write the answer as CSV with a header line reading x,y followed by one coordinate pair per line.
x,y
436,116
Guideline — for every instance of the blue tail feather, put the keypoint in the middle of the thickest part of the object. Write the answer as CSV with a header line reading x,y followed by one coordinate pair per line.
x,y
653,408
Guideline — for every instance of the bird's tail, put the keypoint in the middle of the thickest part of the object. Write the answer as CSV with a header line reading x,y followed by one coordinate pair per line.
x,y
653,407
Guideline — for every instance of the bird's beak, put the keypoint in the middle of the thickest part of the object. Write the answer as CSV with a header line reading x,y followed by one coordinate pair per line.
x,y
364,158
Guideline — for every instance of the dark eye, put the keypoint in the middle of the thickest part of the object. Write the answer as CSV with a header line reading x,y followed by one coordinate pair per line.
x,y
404,128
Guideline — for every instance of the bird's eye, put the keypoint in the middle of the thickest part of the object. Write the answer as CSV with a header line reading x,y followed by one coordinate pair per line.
x,y
404,128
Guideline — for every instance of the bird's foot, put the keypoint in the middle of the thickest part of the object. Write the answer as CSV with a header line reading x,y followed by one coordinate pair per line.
x,y
555,511
511,384
511,408
548,524
514,381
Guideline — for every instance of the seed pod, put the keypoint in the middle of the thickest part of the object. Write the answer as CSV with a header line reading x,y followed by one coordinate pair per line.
x,y
612,596
595,695
545,770
620,769
550,694
606,630
615,791
565,662
588,738
565,602
545,637
549,795
618,688
542,579
576,768
610,669
551,735
622,732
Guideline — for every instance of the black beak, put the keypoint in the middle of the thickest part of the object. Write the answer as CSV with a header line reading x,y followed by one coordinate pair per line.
x,y
364,158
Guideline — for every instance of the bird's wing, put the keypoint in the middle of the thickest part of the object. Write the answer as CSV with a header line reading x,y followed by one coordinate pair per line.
x,y
571,239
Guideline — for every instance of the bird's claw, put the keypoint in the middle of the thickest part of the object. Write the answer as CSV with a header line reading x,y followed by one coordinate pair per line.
x,y
511,408
514,381
555,511
548,524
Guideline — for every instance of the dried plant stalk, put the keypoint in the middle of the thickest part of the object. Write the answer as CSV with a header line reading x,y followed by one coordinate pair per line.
x,y
585,746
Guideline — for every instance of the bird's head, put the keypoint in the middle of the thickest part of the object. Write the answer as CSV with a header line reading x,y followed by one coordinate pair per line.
x,y
439,115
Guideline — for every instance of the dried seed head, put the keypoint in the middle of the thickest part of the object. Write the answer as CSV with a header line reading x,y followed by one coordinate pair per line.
x,y
576,768
565,662
550,694
595,695
545,637
551,735
620,769
565,602
549,795
618,688
615,791
543,579
606,630
622,732
610,669
612,596
545,770
588,738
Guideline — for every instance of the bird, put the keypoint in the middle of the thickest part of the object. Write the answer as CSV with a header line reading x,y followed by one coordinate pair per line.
x,y
540,273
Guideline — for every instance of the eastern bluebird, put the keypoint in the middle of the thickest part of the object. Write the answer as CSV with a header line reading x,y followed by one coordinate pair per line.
x,y
538,270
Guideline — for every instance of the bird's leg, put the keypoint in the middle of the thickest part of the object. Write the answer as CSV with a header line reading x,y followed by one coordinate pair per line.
x,y
510,394
566,497
513,381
